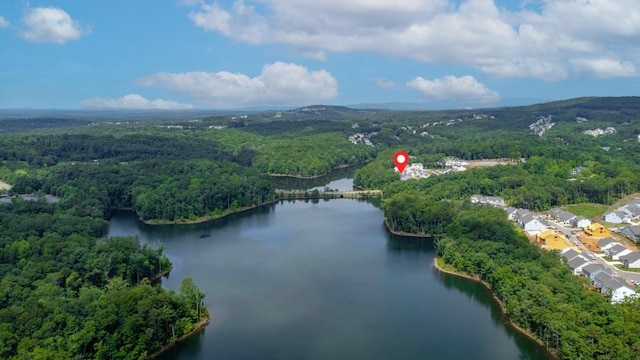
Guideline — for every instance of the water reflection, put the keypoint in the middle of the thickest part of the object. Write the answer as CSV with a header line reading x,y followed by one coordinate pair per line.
x,y
341,179
408,243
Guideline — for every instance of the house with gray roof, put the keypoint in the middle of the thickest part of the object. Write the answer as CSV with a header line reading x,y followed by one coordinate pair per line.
x,y
633,232
562,216
592,270
606,243
520,213
511,211
632,209
615,217
569,253
616,251
631,260
600,278
531,224
618,289
577,263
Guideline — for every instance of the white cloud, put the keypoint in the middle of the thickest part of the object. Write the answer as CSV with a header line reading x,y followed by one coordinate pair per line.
x,y
384,83
135,102
3,22
605,67
522,43
464,89
51,25
278,83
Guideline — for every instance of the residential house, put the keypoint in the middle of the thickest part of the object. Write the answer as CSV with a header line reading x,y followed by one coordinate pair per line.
x,y
597,230
487,200
568,254
592,270
615,217
577,263
631,260
618,289
633,232
531,224
632,209
511,212
552,239
606,243
563,217
520,213
580,222
616,251
600,278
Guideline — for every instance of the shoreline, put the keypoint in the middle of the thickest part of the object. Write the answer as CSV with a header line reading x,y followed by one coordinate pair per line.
x,y
204,219
199,327
402,233
497,300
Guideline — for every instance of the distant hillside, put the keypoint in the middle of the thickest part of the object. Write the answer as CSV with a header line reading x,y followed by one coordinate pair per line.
x,y
607,109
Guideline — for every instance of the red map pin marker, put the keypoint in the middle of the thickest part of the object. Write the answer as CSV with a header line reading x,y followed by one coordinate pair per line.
x,y
401,159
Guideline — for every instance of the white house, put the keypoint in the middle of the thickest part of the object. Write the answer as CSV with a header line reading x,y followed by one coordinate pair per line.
x,y
592,270
606,243
511,213
581,222
577,263
618,289
615,217
618,250
531,225
631,260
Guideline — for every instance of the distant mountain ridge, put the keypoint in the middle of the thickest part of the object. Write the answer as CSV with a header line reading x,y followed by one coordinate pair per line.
x,y
625,108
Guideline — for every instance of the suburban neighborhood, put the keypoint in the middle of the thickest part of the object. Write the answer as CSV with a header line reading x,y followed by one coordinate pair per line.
x,y
606,256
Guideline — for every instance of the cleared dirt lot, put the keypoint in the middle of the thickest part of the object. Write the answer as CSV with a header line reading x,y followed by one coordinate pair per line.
x,y
592,242
490,162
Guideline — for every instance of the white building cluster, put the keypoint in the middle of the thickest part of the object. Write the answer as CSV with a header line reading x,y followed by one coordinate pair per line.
x,y
600,132
543,124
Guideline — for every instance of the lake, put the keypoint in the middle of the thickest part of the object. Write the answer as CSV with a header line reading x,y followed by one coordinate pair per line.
x,y
325,280
338,179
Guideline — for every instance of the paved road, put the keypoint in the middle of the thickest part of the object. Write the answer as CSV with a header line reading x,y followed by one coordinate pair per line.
x,y
598,257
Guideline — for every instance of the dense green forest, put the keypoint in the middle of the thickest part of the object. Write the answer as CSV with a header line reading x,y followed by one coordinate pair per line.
x,y
66,295
539,292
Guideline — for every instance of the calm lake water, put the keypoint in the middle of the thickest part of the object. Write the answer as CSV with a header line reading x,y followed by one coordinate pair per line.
x,y
325,280
339,179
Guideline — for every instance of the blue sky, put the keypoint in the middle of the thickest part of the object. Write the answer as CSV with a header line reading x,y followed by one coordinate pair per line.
x,y
167,54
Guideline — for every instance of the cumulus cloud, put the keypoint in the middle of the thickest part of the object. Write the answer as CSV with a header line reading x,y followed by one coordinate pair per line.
x,y
384,83
464,89
3,22
135,102
278,83
605,67
51,25
547,42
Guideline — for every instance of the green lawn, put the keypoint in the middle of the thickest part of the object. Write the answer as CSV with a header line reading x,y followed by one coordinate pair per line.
x,y
621,267
587,210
